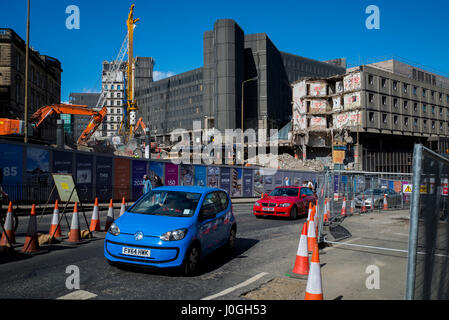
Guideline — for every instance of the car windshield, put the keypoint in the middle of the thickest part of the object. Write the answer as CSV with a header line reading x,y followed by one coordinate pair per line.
x,y
167,203
286,192
373,191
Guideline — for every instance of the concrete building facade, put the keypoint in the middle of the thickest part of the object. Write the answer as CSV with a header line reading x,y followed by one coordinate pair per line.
x,y
213,93
44,84
386,107
79,122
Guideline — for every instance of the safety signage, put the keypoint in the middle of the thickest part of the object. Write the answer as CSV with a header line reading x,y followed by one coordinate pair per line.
x,y
407,188
66,187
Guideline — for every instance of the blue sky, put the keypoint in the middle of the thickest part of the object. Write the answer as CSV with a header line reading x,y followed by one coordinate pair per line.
x,y
172,31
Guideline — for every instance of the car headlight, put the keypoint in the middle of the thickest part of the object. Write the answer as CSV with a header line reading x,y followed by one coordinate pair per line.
x,y
114,229
285,205
174,235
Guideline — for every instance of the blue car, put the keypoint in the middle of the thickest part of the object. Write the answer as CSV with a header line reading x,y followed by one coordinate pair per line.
x,y
172,227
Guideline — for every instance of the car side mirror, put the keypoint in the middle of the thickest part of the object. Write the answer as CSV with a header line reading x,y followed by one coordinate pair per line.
x,y
264,195
303,196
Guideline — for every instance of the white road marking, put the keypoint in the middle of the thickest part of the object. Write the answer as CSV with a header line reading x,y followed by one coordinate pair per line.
x,y
241,285
78,295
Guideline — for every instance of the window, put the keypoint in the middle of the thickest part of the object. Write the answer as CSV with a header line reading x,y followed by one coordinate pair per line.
x,y
424,123
371,116
395,120
405,105
415,122
384,100
371,98
424,108
370,79
433,124
112,87
395,85
384,118
405,86
424,92
406,121
395,102
441,111
432,94
384,82
441,125
118,87
415,90
415,106
433,109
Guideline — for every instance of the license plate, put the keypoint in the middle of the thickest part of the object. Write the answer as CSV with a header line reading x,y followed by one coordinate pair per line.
x,y
136,252
268,209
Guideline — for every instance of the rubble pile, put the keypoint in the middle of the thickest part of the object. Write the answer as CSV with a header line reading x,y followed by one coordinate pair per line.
x,y
286,161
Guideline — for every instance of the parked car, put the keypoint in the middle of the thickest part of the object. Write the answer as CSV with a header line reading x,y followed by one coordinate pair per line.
x,y
393,198
285,202
172,227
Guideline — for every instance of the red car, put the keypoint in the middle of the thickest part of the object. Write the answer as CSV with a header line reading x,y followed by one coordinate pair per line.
x,y
285,202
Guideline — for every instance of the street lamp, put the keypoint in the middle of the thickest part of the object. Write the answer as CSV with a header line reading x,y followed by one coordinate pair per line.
x,y
25,139
243,139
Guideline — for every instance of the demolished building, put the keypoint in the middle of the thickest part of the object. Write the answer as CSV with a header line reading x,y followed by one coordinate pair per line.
x,y
370,117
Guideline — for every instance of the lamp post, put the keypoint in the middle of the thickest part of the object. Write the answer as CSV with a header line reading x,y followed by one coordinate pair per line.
x,y
25,139
243,139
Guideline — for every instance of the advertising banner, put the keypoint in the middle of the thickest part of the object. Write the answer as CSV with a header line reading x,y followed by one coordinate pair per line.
x,y
258,182
84,176
171,174
225,179
103,187
268,182
37,184
236,185
247,182
213,174
200,176
139,169
186,175
11,164
122,173
62,162
156,168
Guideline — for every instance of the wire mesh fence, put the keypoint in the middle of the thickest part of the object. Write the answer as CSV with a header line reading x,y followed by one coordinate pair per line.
x,y
428,263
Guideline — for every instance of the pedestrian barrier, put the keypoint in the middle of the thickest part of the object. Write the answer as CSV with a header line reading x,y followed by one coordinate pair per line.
x,y
302,257
314,289
31,244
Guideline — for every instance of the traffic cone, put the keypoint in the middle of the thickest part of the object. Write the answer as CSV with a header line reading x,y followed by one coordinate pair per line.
x,y
343,207
327,214
75,233
311,235
351,210
123,207
314,289
8,232
110,217
309,216
302,256
55,228
363,204
95,221
385,202
31,241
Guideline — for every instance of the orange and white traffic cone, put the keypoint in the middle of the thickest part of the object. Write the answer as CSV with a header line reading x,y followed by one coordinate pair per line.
x,y
95,221
31,241
385,202
311,235
110,217
8,232
325,216
351,210
123,207
314,289
55,227
302,257
75,233
363,204
343,207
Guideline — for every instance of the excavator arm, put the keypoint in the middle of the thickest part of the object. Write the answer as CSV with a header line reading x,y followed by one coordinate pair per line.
x,y
97,117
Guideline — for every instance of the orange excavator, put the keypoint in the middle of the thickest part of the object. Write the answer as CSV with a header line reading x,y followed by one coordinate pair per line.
x,y
10,126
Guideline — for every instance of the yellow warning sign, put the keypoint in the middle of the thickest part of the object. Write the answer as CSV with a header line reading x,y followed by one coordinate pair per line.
x,y
66,187
407,188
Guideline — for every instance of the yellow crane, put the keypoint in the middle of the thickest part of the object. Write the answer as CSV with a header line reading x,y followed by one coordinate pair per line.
x,y
130,117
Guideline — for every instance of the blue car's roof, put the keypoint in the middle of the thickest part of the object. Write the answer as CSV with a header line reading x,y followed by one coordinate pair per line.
x,y
195,189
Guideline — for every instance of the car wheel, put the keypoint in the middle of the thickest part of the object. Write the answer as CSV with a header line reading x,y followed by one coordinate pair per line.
x,y
192,260
111,263
294,213
259,217
231,240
